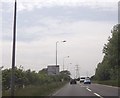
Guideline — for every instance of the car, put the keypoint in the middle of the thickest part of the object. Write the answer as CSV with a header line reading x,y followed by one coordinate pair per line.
x,y
73,81
87,81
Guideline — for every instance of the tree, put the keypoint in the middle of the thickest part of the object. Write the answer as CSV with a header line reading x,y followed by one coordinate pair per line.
x,y
108,68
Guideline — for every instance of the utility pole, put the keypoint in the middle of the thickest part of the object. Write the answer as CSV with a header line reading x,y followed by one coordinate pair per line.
x,y
56,50
13,52
77,71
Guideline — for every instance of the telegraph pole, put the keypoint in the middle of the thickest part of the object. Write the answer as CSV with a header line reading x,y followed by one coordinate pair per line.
x,y
13,52
77,71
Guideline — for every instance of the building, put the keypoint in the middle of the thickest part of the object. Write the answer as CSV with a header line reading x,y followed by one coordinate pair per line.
x,y
53,69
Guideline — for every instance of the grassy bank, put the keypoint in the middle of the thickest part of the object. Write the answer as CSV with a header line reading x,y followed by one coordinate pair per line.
x,y
109,82
42,90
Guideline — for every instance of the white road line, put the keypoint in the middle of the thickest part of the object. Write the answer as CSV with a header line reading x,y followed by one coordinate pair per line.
x,y
98,95
83,86
89,89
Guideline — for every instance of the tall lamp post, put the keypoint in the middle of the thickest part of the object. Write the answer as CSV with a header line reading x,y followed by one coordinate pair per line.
x,y
64,61
56,50
13,52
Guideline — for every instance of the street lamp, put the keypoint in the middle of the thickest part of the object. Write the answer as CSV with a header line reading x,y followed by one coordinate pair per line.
x,y
56,49
64,61
13,52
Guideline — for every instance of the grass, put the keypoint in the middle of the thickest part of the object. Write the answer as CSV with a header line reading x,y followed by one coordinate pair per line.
x,y
109,82
42,90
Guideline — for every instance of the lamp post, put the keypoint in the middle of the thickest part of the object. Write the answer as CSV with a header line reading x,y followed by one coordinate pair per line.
x,y
64,61
56,49
13,52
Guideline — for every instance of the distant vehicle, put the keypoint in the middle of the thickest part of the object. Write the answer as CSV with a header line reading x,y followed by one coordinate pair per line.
x,y
73,81
87,81
78,79
82,79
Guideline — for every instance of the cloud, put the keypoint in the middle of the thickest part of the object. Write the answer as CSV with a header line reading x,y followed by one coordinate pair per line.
x,y
56,21
39,20
39,25
54,28
85,43
30,4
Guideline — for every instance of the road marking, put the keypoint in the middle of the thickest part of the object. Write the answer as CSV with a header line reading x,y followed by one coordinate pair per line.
x,y
84,86
98,95
89,89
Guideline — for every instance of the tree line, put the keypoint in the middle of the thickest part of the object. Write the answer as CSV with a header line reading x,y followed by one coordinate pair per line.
x,y
27,77
109,68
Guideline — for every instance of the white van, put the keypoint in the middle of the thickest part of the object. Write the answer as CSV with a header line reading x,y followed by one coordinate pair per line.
x,y
82,79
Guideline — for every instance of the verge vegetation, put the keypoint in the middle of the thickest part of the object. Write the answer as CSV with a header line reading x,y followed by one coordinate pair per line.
x,y
107,71
31,83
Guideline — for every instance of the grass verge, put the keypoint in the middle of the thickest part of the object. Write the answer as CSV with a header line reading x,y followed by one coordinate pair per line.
x,y
109,82
42,90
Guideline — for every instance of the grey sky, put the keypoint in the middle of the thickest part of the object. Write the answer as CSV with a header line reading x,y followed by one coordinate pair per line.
x,y
85,25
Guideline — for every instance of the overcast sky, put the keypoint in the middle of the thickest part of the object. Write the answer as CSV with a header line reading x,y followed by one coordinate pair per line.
x,y
84,24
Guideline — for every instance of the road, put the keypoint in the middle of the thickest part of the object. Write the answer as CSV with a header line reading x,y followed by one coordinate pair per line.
x,y
93,90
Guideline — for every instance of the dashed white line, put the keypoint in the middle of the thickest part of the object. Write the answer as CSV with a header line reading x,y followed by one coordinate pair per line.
x,y
89,89
83,86
98,95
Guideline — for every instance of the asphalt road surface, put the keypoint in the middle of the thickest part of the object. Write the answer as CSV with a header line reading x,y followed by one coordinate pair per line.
x,y
95,90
